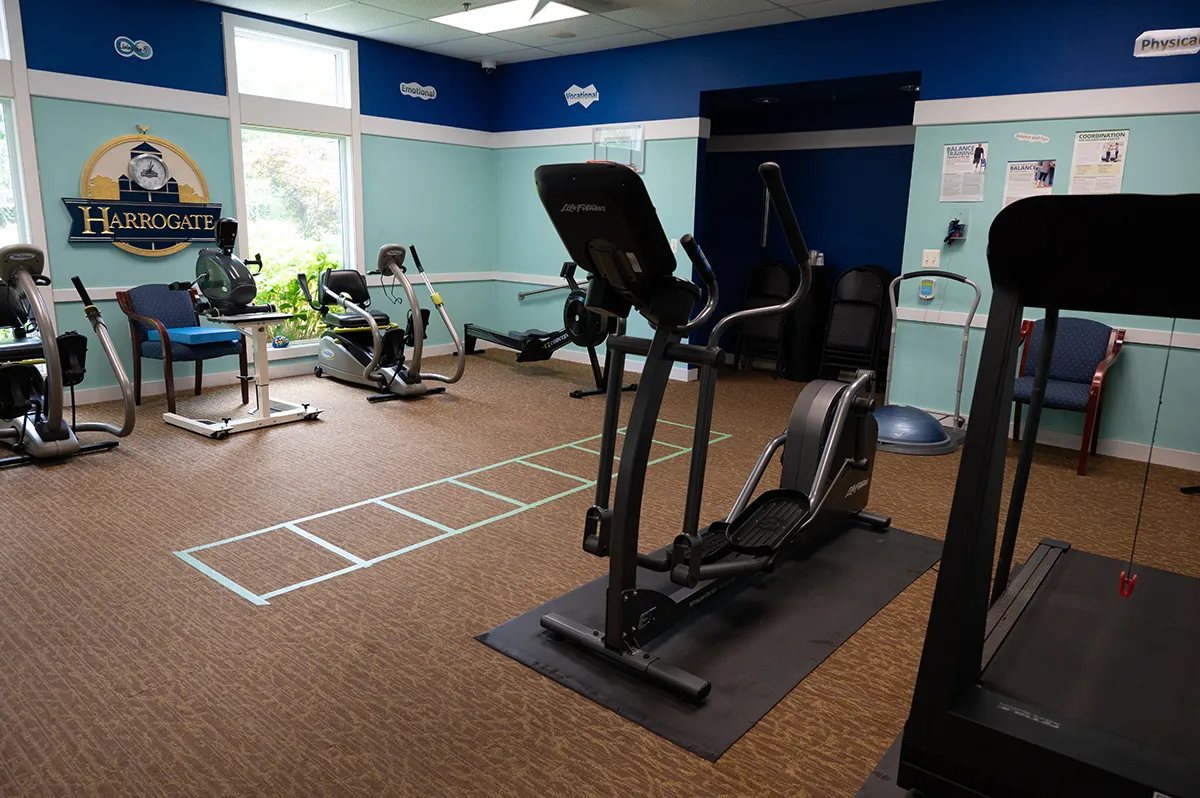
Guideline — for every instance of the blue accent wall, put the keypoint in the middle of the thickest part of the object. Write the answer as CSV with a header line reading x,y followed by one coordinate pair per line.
x,y
852,205
963,48
76,37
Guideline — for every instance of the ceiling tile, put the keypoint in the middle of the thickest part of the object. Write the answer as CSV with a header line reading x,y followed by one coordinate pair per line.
x,y
589,27
656,16
775,17
607,42
524,54
831,8
472,47
355,18
428,9
281,9
419,34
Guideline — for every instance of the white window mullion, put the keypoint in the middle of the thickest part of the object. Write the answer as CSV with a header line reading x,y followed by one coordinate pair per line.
x,y
27,185
235,136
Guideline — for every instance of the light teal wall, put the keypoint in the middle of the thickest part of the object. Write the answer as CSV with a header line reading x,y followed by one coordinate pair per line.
x,y
527,243
66,134
439,197
1161,159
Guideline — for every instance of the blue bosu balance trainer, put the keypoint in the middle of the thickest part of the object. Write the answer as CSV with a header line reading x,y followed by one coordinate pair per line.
x,y
904,429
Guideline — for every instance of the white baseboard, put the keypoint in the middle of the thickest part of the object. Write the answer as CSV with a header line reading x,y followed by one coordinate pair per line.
x,y
1126,450
678,373
284,368
111,393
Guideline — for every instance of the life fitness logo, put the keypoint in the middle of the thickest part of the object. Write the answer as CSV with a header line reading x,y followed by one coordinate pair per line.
x,y
582,96
418,91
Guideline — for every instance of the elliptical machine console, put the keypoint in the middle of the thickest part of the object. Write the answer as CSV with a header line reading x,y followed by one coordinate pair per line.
x,y
604,216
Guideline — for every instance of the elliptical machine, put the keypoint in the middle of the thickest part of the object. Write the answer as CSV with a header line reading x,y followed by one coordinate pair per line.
x,y
364,346
31,402
605,218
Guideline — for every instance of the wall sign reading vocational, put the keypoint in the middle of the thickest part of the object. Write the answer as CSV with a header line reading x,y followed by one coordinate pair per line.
x,y
418,91
144,195
582,96
1180,41
1027,179
1098,165
963,168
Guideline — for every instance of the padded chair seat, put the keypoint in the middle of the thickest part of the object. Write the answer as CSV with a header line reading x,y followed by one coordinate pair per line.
x,y
179,351
1060,394
354,320
530,333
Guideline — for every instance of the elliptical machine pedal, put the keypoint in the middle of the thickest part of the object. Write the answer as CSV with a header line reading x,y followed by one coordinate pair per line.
x,y
769,522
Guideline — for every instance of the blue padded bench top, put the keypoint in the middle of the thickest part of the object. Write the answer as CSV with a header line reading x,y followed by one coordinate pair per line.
x,y
197,335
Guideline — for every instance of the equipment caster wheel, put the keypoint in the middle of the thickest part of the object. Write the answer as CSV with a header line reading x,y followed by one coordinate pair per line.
x,y
220,436
320,372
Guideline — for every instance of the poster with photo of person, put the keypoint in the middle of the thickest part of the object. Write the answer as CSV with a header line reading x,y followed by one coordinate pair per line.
x,y
1098,164
1027,179
963,169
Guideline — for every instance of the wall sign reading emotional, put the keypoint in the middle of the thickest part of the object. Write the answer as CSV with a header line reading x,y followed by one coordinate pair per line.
x,y
144,195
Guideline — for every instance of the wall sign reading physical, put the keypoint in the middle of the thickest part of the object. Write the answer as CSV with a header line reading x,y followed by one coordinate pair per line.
x,y
144,195
1154,43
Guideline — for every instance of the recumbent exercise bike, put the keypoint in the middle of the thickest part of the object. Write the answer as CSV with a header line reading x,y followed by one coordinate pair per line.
x,y
363,346
829,445
37,365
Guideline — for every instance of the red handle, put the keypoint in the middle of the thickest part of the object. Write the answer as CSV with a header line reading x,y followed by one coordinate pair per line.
x,y
1127,583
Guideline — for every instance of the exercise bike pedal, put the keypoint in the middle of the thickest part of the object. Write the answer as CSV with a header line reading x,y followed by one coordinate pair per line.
x,y
769,522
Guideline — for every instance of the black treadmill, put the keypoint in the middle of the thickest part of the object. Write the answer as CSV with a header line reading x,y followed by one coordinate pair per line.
x,y
1056,684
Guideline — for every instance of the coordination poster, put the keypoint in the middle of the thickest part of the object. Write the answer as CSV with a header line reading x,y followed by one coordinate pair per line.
x,y
1098,165
1027,179
963,168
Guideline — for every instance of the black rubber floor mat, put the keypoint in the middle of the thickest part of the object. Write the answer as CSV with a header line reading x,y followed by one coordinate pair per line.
x,y
754,642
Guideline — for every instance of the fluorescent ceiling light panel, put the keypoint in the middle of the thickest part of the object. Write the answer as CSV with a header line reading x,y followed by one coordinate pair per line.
x,y
507,16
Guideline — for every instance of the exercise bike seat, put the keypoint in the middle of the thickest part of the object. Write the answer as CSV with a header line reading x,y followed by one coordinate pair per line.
x,y
528,334
21,349
354,320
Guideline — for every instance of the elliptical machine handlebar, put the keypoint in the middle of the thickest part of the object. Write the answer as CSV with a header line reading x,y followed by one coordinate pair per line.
x,y
772,178
83,294
700,263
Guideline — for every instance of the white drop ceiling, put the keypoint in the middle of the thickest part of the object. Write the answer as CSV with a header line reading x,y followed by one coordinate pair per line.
x,y
407,22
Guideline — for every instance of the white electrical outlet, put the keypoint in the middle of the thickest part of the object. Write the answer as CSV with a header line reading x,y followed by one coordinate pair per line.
x,y
674,245
931,259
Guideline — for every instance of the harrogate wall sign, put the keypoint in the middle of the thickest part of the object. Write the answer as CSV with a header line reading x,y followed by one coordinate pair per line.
x,y
143,195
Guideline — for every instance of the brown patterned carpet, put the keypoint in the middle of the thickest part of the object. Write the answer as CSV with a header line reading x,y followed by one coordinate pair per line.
x,y
128,672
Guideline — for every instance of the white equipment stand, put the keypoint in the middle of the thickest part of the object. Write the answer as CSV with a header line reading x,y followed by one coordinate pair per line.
x,y
268,413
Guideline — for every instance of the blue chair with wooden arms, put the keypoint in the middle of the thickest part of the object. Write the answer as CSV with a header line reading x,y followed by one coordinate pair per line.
x,y
154,310
1084,350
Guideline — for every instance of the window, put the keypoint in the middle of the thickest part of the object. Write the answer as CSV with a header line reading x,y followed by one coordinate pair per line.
x,y
10,188
295,215
290,69
293,106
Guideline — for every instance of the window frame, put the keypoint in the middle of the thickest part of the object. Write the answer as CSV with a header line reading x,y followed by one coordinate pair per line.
x,y
291,116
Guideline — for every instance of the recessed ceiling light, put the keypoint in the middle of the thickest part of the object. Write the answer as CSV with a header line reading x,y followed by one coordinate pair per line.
x,y
766,100
911,87
562,34
507,16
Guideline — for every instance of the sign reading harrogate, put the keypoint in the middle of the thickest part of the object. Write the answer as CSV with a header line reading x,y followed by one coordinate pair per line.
x,y
143,195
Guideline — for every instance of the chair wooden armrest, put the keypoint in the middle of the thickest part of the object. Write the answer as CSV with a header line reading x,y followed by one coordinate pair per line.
x,y
1114,349
126,308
